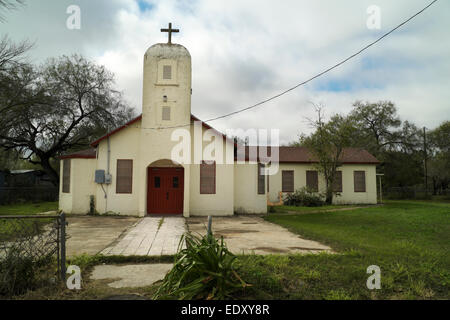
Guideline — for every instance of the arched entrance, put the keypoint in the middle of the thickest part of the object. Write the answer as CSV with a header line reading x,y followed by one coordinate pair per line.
x,y
165,188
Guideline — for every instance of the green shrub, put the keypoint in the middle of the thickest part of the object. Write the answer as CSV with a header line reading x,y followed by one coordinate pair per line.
x,y
19,272
304,197
205,269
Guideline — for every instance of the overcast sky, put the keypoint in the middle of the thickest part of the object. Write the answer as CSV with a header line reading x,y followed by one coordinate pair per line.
x,y
246,51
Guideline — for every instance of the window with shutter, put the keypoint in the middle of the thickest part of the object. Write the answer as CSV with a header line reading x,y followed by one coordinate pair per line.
x,y
359,180
124,177
287,181
208,177
261,179
66,176
312,181
337,184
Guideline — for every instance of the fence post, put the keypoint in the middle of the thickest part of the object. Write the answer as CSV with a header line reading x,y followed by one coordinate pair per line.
x,y
63,246
209,225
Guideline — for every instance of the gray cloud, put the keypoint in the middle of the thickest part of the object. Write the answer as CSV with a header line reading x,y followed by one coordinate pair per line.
x,y
246,51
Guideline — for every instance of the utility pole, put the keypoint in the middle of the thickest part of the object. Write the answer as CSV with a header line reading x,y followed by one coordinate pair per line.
x,y
425,160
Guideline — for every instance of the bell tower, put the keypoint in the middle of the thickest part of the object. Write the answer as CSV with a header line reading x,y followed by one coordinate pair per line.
x,y
167,85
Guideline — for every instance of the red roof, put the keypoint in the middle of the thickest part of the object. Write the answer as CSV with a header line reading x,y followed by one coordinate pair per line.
x,y
193,118
303,155
286,154
83,154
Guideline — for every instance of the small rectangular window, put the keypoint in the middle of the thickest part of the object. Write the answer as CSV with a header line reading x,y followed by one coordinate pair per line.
x,y
66,176
208,177
312,181
166,113
124,180
261,179
167,72
287,181
157,182
337,185
175,182
359,181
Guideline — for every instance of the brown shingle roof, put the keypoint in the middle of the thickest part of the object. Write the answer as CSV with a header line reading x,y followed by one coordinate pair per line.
x,y
303,155
82,154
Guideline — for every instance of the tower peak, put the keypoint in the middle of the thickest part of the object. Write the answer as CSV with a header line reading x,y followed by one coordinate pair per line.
x,y
169,31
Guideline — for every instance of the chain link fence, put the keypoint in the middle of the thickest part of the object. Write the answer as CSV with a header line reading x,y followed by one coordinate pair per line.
x,y
415,193
10,195
32,252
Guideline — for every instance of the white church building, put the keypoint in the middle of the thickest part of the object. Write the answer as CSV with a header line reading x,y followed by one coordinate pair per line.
x,y
166,161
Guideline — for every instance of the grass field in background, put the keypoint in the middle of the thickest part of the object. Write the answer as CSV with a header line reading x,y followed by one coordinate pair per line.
x,y
28,208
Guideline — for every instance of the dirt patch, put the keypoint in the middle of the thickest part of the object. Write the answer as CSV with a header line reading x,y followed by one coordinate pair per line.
x,y
269,249
304,248
232,231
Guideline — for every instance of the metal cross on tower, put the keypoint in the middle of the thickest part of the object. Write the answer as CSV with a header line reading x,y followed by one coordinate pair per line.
x,y
170,30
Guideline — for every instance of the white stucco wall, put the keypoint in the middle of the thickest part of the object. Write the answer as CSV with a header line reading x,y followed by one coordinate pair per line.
x,y
124,145
347,196
82,186
246,197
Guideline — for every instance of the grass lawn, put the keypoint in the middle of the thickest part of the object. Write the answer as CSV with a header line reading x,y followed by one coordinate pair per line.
x,y
408,240
10,228
28,208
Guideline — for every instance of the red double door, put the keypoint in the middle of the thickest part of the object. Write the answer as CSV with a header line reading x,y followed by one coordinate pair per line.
x,y
165,190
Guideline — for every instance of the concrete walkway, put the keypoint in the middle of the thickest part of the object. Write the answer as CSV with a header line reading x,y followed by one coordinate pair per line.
x,y
91,234
131,276
250,234
152,236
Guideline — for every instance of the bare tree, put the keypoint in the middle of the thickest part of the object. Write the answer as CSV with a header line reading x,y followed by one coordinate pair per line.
x,y
6,5
12,54
62,105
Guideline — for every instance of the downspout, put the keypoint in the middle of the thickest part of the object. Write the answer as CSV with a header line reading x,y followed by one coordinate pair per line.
x,y
107,171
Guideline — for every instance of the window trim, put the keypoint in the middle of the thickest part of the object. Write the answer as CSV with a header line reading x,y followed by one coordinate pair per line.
x,y
293,181
117,176
354,181
208,163
64,176
314,188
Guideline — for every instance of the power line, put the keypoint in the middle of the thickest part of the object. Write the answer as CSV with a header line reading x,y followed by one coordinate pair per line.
x,y
312,78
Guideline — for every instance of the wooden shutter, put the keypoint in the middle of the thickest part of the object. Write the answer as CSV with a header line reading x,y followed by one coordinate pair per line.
x,y
208,177
287,181
124,180
66,176
261,179
337,184
312,180
359,180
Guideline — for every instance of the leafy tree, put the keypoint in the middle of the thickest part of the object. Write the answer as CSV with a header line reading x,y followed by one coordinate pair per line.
x,y
439,163
59,106
375,123
327,143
